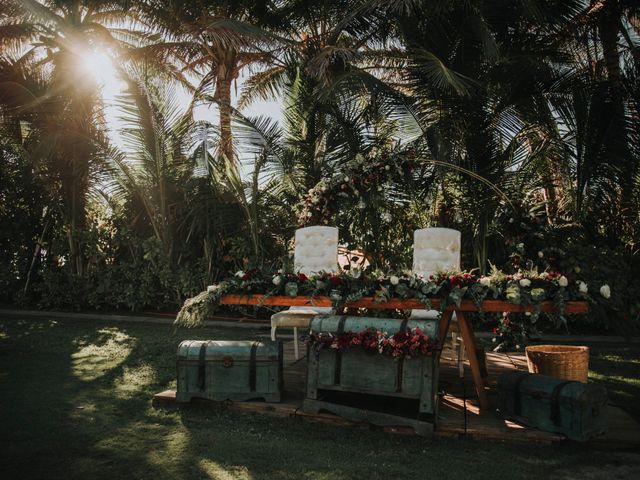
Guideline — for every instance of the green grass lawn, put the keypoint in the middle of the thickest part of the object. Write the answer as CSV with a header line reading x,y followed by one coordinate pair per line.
x,y
75,402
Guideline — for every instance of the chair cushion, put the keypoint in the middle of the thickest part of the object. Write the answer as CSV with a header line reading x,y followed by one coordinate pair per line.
x,y
297,316
425,314
432,315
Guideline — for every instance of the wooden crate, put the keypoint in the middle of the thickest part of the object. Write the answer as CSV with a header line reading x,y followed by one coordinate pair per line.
x,y
229,370
572,408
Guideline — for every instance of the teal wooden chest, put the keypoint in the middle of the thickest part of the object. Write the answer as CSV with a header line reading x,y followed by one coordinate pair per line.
x,y
229,370
577,410
408,386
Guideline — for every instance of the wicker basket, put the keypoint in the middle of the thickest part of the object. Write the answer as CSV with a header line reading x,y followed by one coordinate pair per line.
x,y
559,361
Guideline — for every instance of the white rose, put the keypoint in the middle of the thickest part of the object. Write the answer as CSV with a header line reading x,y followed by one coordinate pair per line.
x,y
540,254
528,314
277,280
583,287
544,275
511,220
212,288
485,281
239,273
362,205
386,217
393,280
525,282
387,167
605,291
562,281
346,179
513,294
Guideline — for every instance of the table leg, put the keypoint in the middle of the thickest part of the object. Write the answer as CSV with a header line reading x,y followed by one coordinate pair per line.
x,y
443,326
470,345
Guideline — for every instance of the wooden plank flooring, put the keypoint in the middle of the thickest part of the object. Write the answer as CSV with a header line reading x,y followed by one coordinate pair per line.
x,y
459,415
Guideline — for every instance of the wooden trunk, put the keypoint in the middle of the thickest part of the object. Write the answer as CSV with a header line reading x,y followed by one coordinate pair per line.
x,y
229,370
363,377
572,408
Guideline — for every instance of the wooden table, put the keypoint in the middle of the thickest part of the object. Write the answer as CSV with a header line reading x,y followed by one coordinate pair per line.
x,y
578,307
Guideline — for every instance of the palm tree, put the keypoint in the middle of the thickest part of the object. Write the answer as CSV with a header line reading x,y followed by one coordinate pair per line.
x,y
332,102
478,73
27,212
608,21
57,37
213,40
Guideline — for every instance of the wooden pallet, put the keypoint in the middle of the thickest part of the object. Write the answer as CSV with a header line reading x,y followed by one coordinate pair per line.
x,y
485,425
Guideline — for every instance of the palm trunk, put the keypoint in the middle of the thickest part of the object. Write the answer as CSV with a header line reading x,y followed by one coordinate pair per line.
x,y
227,72
608,27
480,247
609,30
37,250
75,150
551,181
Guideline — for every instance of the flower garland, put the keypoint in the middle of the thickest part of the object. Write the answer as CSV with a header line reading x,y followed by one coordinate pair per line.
x,y
404,343
528,289
356,180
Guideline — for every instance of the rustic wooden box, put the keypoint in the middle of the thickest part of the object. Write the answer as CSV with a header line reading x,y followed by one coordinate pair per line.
x,y
229,370
355,371
575,409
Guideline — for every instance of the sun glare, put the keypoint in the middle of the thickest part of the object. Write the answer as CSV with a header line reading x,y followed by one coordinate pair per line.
x,y
99,65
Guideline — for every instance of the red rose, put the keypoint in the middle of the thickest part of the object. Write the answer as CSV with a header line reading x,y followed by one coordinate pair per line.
x,y
302,277
335,281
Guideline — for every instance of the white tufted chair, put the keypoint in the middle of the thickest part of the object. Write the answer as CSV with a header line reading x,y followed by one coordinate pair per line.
x,y
316,250
435,249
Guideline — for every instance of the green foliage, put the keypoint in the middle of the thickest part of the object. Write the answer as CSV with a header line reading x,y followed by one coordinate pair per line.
x,y
520,125
614,267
